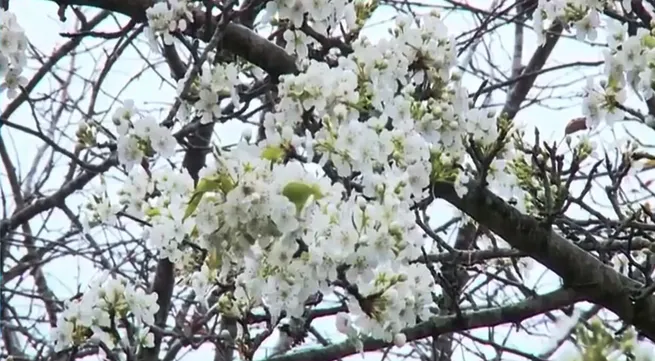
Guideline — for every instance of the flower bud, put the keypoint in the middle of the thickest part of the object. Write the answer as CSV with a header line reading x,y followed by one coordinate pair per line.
x,y
246,134
650,121
399,339
361,203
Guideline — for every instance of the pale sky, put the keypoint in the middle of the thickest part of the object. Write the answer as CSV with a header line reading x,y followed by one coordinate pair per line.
x,y
39,19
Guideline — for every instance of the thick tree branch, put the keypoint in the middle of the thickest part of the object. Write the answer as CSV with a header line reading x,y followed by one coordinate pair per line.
x,y
578,269
237,38
456,276
445,324
163,286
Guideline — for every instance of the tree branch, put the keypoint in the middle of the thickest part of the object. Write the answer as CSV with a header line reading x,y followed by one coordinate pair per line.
x,y
445,324
43,204
579,269
520,90
237,38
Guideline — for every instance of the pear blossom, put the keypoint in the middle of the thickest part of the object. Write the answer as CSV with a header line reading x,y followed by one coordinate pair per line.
x,y
12,82
165,18
95,310
269,214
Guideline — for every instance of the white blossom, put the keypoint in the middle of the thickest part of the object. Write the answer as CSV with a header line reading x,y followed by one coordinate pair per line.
x,y
258,201
105,300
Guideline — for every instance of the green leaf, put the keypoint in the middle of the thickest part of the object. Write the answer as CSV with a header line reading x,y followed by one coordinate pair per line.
x,y
209,184
648,41
273,153
152,212
298,193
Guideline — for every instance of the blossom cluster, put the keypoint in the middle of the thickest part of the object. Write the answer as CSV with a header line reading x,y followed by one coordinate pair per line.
x,y
101,314
165,18
320,15
271,217
582,15
215,83
388,118
628,59
140,137
13,57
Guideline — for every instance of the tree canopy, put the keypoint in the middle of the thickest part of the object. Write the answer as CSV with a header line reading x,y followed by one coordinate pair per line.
x,y
330,177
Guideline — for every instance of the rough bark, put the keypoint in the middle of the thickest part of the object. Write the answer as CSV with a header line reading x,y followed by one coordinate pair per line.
x,y
579,270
